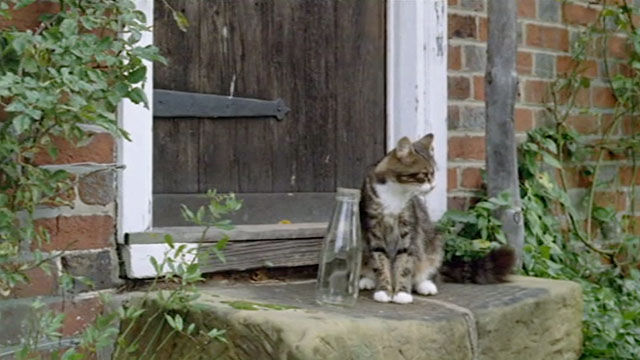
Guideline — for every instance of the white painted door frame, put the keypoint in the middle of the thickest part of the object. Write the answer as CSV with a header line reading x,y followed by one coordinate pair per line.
x,y
135,182
417,82
416,105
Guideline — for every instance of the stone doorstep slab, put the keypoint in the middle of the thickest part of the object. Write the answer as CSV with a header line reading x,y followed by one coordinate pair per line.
x,y
525,319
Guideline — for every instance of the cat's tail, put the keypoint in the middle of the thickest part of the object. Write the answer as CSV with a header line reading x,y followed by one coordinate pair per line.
x,y
490,269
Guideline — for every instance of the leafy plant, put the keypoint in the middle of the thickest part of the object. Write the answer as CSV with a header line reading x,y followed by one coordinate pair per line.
x,y
142,327
586,242
473,233
557,246
180,270
56,81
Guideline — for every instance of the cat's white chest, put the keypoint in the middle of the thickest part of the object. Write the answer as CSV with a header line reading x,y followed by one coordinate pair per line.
x,y
394,197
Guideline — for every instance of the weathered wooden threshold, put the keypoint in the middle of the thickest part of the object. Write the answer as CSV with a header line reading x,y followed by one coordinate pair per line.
x,y
249,247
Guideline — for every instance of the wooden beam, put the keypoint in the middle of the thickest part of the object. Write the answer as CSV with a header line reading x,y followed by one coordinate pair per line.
x,y
249,247
501,83
239,256
245,255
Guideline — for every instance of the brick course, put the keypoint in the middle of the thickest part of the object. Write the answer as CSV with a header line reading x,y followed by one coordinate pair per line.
x,y
471,178
466,147
97,267
79,313
41,283
461,26
524,119
78,232
100,149
547,37
459,87
578,14
524,63
97,188
27,17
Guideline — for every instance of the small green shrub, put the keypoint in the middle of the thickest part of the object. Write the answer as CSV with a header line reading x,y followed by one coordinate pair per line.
x,y
473,233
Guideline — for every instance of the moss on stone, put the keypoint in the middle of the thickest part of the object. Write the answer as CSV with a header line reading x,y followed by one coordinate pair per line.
x,y
252,306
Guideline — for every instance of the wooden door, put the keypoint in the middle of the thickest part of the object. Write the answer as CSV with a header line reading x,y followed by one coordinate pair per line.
x,y
324,58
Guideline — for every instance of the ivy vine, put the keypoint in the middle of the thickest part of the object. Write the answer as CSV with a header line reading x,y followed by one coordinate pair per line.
x,y
571,235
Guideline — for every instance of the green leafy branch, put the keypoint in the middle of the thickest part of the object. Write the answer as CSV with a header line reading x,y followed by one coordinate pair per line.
x,y
474,233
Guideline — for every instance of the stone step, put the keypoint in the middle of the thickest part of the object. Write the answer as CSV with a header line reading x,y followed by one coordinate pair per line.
x,y
525,319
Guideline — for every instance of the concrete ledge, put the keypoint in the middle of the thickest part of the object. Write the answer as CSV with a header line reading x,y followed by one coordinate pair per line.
x,y
525,319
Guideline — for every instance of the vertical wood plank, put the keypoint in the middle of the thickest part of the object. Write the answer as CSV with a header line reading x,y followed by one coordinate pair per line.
x,y
218,160
318,157
175,149
253,136
361,111
288,45
236,153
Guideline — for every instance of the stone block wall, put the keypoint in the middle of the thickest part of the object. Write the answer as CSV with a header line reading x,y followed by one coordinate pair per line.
x,y
545,31
83,236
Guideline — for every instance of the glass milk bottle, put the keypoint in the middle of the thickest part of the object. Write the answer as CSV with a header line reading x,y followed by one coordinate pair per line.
x,y
339,269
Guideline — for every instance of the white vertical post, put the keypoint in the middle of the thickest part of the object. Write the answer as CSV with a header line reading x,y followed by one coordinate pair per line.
x,y
417,81
135,181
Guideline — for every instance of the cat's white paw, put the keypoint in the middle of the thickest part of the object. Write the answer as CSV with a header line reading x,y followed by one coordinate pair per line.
x,y
366,284
402,298
381,296
427,287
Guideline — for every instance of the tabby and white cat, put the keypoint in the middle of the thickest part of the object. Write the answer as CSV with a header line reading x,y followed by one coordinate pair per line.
x,y
402,250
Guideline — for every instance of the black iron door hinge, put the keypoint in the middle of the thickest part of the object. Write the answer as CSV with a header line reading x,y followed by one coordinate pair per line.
x,y
179,104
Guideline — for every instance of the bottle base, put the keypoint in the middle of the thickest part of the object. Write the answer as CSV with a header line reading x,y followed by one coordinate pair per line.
x,y
335,301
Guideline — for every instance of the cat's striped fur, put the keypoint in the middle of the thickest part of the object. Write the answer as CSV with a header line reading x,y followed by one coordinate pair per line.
x,y
403,251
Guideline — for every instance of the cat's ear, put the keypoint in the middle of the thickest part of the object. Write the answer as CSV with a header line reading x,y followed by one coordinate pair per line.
x,y
403,149
426,142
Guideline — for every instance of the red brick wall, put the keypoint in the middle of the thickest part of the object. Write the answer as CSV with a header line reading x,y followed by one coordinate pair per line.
x,y
84,231
545,28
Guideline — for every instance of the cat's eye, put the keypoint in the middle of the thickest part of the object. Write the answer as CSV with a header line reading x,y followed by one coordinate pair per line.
x,y
406,178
